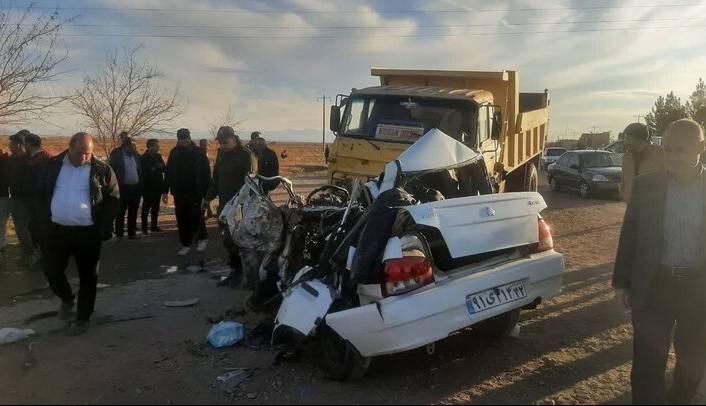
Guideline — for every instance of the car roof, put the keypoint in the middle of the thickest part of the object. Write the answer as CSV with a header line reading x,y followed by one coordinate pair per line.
x,y
589,151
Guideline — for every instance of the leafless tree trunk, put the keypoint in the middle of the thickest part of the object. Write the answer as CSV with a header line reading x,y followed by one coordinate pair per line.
x,y
128,95
28,61
227,119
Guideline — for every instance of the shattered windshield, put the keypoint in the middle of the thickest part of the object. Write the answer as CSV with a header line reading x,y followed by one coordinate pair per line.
x,y
405,119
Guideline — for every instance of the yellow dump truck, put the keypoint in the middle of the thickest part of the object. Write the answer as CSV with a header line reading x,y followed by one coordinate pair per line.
x,y
484,110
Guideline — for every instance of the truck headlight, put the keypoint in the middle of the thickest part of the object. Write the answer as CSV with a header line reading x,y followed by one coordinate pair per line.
x,y
600,178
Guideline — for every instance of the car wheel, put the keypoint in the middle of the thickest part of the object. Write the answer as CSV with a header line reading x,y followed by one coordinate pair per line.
x,y
584,190
499,326
339,359
553,185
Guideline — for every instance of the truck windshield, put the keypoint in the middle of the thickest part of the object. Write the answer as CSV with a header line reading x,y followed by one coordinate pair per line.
x,y
405,119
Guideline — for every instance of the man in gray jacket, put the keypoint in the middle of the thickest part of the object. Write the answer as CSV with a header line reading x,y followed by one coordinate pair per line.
x,y
660,269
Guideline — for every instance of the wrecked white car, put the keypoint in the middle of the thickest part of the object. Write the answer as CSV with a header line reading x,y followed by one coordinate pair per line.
x,y
434,252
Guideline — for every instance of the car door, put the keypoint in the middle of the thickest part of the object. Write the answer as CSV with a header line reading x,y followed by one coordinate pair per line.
x,y
573,171
557,170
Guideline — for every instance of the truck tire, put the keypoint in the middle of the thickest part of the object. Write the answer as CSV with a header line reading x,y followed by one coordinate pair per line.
x,y
523,180
499,326
339,359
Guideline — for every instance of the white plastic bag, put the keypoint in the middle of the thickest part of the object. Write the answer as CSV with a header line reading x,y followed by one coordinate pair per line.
x,y
13,335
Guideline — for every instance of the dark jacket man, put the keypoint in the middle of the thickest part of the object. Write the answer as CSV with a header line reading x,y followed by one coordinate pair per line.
x,y
36,170
229,174
188,172
117,162
267,164
82,199
188,179
154,185
105,193
4,174
660,269
128,169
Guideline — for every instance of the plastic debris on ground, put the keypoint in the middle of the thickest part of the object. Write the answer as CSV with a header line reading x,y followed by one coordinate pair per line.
x,y
233,379
171,270
13,335
182,303
226,334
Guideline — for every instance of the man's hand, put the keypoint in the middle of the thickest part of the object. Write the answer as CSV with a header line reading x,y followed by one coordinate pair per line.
x,y
623,296
205,205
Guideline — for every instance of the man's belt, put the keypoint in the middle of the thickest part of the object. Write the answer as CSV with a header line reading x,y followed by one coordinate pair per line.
x,y
681,272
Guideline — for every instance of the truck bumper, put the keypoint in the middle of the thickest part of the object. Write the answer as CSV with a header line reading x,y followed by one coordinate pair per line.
x,y
411,321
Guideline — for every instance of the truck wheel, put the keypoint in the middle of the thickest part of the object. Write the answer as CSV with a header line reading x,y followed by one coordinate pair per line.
x,y
339,359
499,326
523,180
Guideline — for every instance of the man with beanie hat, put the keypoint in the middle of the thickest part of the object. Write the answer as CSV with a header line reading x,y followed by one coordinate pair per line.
x,y
640,157
188,179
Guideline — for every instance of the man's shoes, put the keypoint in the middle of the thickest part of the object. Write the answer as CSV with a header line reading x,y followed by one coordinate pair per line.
x,y
202,245
78,327
184,251
157,230
145,231
131,237
119,237
65,310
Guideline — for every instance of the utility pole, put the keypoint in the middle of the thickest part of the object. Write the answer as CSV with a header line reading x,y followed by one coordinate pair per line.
x,y
639,116
323,123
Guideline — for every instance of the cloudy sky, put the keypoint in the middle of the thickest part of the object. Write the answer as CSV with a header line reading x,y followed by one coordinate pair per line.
x,y
604,62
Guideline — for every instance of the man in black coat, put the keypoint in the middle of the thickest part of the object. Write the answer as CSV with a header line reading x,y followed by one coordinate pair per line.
x,y
126,163
81,199
188,179
232,166
267,164
660,269
154,187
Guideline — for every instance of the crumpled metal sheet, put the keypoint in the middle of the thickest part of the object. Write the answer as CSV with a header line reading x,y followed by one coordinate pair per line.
x,y
254,222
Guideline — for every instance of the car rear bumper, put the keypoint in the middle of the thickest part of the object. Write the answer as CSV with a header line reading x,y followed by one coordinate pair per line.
x,y
410,321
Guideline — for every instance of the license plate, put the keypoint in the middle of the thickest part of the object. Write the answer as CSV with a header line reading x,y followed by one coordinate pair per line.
x,y
488,299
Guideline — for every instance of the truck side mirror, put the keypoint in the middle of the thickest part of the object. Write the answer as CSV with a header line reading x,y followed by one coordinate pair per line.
x,y
497,125
335,119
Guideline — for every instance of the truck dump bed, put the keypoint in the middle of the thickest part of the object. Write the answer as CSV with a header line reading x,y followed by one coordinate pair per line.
x,y
525,115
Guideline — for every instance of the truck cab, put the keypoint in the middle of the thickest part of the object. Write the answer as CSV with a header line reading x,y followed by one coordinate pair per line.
x,y
482,110
378,123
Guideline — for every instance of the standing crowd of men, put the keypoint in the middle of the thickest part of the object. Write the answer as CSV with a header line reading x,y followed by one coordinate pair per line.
x,y
67,205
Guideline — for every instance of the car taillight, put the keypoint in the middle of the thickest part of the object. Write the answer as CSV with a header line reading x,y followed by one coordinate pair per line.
x,y
546,242
402,275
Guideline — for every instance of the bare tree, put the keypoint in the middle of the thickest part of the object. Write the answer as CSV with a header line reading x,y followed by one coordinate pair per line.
x,y
228,118
28,60
128,95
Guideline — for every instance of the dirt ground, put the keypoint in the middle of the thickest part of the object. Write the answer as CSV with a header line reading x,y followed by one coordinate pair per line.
x,y
575,348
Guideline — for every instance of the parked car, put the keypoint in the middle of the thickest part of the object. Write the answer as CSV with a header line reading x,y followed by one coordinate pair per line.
x,y
618,147
413,270
588,172
551,155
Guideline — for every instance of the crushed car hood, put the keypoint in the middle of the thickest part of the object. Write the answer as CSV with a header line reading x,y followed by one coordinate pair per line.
x,y
434,151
